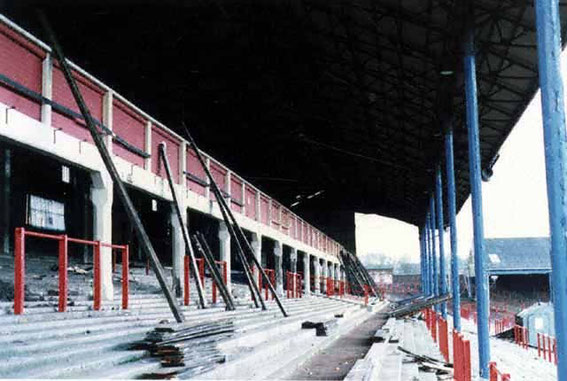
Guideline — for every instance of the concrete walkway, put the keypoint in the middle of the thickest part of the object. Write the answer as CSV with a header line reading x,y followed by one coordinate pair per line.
x,y
335,361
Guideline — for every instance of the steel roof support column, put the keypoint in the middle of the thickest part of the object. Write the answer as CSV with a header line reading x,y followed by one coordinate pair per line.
x,y
440,223
555,138
429,255
452,209
435,271
423,262
481,279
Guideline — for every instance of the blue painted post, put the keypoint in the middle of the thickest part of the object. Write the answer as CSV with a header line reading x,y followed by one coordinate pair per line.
x,y
422,259
429,256
555,138
440,223
452,209
433,246
481,278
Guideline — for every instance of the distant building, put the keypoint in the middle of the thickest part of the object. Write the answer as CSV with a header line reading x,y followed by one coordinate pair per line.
x,y
516,256
381,274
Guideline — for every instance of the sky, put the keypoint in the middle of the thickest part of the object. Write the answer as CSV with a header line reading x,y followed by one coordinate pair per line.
x,y
514,200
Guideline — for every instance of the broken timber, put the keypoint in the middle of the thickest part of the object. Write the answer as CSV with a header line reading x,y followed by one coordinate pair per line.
x,y
109,164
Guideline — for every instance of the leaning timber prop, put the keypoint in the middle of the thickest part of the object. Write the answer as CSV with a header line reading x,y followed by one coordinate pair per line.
x,y
233,224
202,247
109,164
364,274
188,247
352,271
418,306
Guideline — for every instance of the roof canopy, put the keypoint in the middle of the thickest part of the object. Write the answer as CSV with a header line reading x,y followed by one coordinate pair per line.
x,y
348,98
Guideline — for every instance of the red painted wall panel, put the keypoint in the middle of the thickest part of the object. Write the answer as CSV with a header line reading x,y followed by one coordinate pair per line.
x,y
219,174
20,61
265,210
305,237
195,168
285,221
62,94
293,223
276,214
236,193
250,202
131,127
172,150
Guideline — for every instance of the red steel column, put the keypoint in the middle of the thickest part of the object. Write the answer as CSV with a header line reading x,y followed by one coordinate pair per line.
x,y
97,276
63,258
125,276
19,270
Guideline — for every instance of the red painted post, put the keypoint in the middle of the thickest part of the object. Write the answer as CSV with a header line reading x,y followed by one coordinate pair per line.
x,y
186,284
506,377
125,276
538,345
467,363
19,270
63,273
97,276
549,346
555,351
492,371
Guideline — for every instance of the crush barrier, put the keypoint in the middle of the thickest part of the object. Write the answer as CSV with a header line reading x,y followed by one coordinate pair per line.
x,y
547,347
271,273
201,269
521,336
294,285
495,374
461,357
64,240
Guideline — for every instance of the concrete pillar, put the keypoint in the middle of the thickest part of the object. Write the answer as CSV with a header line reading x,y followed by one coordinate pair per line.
x,y
256,244
177,247
46,88
6,194
279,268
293,260
325,274
317,277
102,197
307,273
224,246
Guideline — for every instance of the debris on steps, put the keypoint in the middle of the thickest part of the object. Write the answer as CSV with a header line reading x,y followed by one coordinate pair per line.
x,y
321,328
192,348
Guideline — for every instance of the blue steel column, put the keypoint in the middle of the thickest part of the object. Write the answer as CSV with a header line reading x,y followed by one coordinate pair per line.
x,y
433,246
452,209
423,275
440,223
429,256
481,278
555,138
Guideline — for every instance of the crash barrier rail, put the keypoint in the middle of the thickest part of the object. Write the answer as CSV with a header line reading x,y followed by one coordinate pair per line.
x,y
294,285
547,347
439,329
330,286
503,324
495,374
461,357
64,240
271,274
521,336
201,269
443,338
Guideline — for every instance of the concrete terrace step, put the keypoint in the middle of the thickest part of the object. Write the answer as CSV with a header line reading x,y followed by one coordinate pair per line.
x,y
108,337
